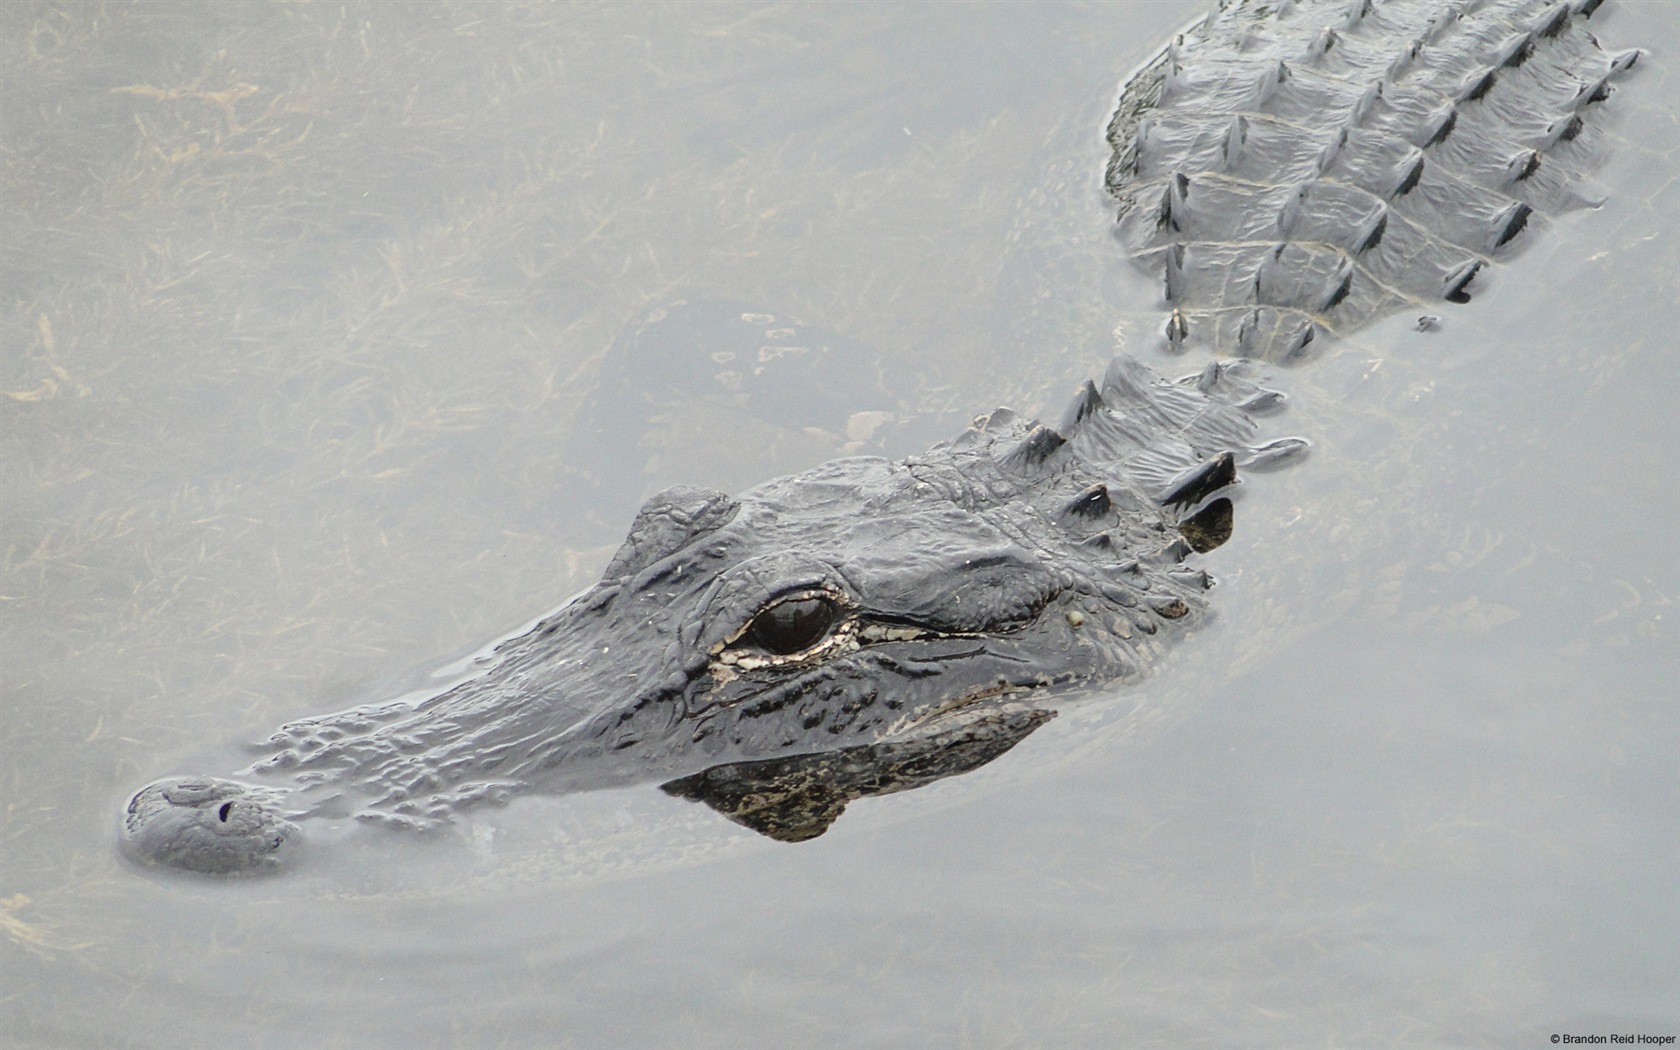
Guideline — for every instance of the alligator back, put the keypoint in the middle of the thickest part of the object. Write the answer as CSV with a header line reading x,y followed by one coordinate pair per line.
x,y
1295,170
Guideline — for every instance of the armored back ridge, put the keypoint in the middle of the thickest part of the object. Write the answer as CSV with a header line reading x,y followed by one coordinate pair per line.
x,y
1290,170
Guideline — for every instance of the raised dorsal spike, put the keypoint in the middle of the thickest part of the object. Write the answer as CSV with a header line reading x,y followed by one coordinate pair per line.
x,y
1477,85
1522,166
1290,213
1553,21
1456,287
1440,125
1408,173
1510,223
1563,129
1140,142
1585,8
1332,150
1274,454
1270,81
1094,502
1626,60
1175,202
1299,346
1247,329
1265,402
1517,50
1596,91
1322,43
1174,273
1085,404
1039,445
1358,12
1362,106
1340,285
1236,135
1371,234
1178,330
1207,380
1200,481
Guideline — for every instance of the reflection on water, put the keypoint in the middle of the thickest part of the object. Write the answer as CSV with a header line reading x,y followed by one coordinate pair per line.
x,y
306,303
795,799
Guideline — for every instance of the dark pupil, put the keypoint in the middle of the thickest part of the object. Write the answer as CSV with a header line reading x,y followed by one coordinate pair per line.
x,y
791,626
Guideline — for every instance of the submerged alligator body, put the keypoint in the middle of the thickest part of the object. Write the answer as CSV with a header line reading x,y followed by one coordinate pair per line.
x,y
1291,170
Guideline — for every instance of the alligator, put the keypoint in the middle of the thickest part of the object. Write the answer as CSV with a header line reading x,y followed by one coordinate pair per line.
x,y
1289,171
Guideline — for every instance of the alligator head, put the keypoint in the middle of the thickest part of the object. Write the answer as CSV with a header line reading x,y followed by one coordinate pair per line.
x,y
855,608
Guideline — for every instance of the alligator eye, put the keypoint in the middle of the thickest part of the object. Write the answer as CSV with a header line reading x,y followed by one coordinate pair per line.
x,y
792,626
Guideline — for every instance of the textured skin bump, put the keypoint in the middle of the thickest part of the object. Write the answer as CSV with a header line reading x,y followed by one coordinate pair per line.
x,y
1293,170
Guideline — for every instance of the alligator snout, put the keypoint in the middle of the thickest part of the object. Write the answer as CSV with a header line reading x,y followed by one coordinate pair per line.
x,y
208,825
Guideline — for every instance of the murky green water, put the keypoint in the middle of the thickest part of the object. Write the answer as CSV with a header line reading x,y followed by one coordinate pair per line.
x,y
303,305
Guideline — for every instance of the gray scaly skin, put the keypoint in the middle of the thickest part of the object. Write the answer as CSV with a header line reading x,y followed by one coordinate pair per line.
x,y
1295,170
1291,170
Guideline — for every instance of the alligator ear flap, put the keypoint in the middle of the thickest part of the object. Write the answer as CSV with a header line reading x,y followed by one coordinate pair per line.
x,y
1200,481
1209,527
667,522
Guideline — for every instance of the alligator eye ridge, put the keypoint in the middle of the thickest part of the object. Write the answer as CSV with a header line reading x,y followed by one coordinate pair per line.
x,y
793,625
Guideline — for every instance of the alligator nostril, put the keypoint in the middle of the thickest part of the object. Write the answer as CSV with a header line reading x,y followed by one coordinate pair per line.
x,y
224,810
